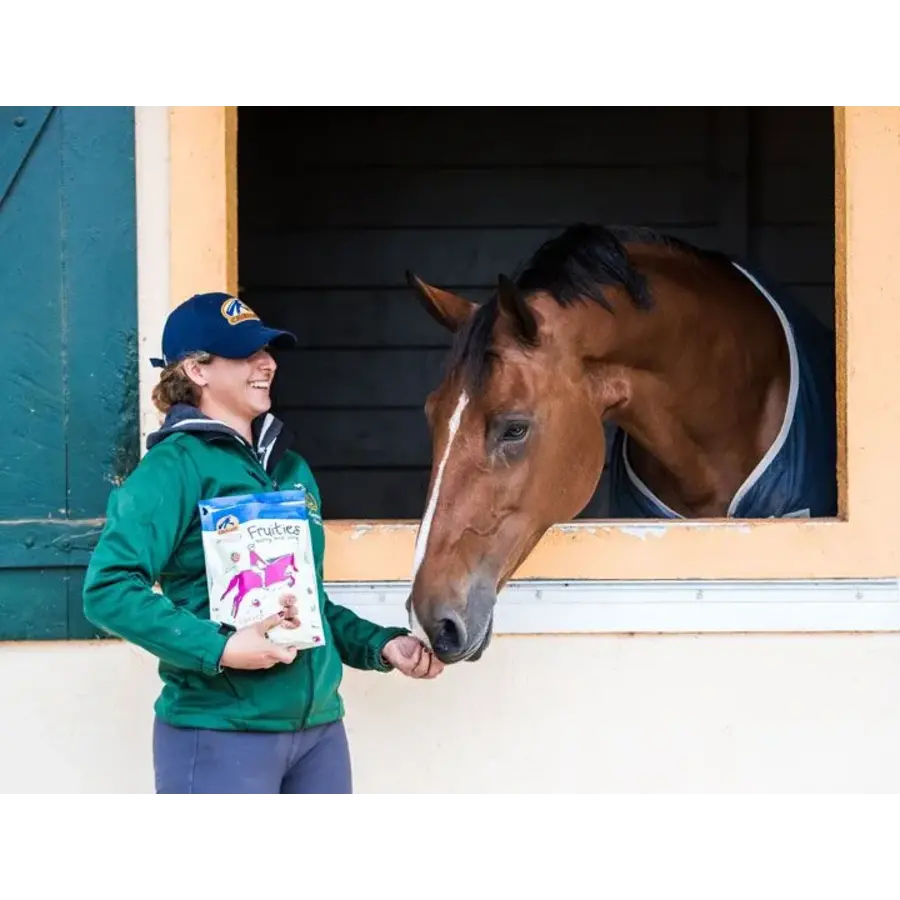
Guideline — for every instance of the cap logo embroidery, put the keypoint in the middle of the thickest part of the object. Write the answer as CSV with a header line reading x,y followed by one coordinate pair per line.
x,y
235,311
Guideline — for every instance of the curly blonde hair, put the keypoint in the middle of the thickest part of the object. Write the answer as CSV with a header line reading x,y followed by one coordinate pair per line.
x,y
174,385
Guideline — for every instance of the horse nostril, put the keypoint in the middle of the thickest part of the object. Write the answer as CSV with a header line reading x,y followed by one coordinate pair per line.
x,y
447,638
450,634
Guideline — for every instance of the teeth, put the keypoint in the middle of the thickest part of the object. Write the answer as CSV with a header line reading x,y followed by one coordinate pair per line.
x,y
259,384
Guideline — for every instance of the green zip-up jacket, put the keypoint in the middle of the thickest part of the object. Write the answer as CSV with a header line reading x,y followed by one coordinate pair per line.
x,y
152,535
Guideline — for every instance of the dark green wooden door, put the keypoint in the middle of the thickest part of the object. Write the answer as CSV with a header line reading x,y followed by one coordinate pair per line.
x,y
68,326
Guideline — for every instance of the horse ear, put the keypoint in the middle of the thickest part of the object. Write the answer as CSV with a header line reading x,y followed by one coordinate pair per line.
x,y
513,304
449,310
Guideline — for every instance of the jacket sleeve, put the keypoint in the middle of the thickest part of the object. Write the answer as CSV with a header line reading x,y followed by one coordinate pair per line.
x,y
359,642
147,516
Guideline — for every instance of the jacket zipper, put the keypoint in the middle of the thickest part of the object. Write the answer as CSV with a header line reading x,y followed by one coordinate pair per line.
x,y
248,452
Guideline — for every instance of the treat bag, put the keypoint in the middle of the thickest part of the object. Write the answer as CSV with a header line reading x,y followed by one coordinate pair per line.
x,y
258,547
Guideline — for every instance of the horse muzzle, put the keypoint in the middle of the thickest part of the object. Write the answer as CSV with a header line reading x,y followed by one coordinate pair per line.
x,y
457,635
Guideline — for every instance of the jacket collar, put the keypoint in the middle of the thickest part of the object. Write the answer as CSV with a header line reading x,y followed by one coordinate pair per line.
x,y
271,438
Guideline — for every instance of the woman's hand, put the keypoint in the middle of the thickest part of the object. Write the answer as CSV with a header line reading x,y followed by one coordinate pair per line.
x,y
249,648
410,656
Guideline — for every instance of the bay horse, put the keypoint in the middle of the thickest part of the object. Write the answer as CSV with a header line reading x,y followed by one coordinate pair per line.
x,y
721,397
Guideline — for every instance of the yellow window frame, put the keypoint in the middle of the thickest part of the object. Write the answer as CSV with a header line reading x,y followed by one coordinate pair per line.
x,y
858,543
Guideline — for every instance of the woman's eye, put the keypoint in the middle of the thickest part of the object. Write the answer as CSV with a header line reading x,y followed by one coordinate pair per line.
x,y
515,431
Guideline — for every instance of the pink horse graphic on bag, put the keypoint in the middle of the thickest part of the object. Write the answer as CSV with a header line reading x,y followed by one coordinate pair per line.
x,y
264,573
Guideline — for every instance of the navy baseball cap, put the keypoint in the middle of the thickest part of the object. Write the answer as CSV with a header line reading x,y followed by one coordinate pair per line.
x,y
219,324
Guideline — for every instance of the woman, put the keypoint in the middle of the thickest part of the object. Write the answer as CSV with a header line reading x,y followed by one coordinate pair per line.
x,y
237,712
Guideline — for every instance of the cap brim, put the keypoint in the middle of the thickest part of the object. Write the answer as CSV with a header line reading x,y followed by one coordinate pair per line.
x,y
244,341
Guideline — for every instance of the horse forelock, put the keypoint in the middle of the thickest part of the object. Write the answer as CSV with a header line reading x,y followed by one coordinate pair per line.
x,y
473,351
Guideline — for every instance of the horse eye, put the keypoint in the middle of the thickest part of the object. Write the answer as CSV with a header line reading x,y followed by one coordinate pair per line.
x,y
515,431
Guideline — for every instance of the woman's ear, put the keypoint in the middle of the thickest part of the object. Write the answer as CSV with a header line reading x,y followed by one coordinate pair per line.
x,y
195,371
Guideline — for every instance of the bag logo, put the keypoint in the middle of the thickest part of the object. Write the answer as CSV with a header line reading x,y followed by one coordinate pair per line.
x,y
236,311
227,524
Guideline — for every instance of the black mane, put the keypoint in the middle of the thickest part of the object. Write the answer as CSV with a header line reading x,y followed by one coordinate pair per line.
x,y
571,267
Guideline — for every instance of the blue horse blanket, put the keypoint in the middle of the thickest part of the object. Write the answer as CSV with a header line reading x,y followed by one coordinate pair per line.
x,y
797,477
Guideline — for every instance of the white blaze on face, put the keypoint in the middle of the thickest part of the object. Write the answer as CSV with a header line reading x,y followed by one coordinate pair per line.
x,y
425,527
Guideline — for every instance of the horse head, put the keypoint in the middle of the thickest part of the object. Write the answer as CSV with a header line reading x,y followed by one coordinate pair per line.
x,y
518,445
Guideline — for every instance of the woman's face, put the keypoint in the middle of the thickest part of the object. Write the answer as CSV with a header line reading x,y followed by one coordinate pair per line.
x,y
239,386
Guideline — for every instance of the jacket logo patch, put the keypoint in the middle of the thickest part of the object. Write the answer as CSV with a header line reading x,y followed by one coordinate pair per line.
x,y
311,503
236,311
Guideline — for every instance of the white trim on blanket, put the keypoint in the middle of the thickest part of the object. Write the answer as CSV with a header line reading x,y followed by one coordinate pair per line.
x,y
789,414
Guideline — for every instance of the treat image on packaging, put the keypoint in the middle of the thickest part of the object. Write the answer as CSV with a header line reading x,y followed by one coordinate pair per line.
x,y
257,548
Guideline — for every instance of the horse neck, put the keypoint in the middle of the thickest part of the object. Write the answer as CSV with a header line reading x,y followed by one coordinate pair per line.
x,y
706,374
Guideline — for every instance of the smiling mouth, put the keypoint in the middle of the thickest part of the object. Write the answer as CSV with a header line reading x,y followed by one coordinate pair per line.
x,y
260,385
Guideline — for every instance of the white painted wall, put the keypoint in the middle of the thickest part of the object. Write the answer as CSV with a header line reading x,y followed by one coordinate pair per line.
x,y
710,713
